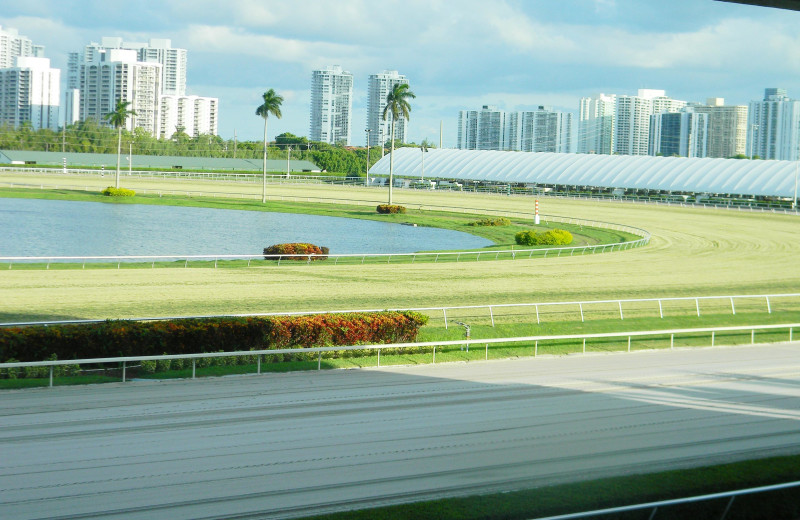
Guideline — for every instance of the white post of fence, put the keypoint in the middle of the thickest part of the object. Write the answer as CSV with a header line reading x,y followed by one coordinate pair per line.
x,y
487,352
319,361
733,309
672,341
753,337
194,368
790,333
537,314
769,309
51,367
620,311
123,371
535,348
712,338
258,364
379,357
697,304
491,315
660,310
434,354
629,343
584,345
580,306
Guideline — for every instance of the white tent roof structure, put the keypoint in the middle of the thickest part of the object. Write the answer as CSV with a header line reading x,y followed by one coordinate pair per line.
x,y
674,174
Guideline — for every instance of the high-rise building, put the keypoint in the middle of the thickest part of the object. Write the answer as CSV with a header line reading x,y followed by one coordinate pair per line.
x,y
13,46
632,119
679,134
29,93
331,105
114,76
483,129
378,88
596,124
541,130
194,115
544,130
775,126
727,127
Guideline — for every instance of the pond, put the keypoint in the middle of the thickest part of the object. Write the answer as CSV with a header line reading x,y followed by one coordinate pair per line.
x,y
33,227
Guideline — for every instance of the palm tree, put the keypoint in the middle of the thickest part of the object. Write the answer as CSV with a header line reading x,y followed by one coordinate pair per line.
x,y
118,118
271,105
396,105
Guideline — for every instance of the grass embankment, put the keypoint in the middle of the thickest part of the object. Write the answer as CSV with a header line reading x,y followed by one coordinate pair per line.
x,y
619,491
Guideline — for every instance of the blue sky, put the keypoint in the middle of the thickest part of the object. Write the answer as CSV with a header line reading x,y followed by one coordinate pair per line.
x,y
457,54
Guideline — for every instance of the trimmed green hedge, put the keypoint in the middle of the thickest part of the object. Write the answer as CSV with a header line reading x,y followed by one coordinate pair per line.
x,y
116,338
501,221
390,208
118,192
296,248
554,237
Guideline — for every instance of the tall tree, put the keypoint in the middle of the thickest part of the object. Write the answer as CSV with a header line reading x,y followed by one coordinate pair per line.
x,y
271,105
118,118
397,106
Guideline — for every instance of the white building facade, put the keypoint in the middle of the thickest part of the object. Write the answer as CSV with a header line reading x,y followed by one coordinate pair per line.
x,y
596,124
679,134
483,129
378,88
632,119
29,93
194,115
727,127
115,76
13,46
775,126
541,130
331,105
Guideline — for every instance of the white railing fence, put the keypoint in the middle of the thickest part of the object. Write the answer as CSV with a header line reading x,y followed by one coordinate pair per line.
x,y
654,506
488,311
463,343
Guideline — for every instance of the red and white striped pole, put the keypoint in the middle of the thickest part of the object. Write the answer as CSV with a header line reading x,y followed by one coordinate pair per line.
x,y
536,215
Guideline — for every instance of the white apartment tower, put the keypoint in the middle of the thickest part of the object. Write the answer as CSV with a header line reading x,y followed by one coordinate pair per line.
x,y
544,130
115,76
596,124
632,119
775,126
331,105
195,115
13,46
378,88
29,93
482,129
727,127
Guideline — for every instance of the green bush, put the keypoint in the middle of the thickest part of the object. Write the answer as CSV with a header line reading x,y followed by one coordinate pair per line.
x,y
554,237
501,221
118,192
294,250
390,208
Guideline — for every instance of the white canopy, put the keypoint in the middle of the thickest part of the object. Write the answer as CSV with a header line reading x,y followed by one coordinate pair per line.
x,y
678,174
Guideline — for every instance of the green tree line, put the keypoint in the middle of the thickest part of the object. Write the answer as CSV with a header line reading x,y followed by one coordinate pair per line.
x,y
91,137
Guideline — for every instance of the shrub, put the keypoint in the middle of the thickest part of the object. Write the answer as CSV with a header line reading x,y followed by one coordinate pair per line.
x,y
501,221
554,237
118,192
294,250
390,208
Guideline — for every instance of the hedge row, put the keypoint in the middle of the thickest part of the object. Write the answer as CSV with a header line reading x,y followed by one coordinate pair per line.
x,y
500,221
554,237
390,208
114,338
296,248
118,192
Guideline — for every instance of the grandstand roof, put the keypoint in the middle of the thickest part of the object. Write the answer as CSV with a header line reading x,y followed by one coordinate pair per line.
x,y
676,174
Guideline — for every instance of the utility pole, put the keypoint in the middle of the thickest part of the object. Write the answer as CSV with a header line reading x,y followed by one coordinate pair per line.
x,y
288,157
234,143
366,180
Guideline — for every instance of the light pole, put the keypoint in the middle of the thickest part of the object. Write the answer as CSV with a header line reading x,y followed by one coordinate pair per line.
x,y
288,157
794,199
423,149
366,180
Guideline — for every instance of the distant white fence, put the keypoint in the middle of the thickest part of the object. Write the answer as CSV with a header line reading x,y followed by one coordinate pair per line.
x,y
487,310
467,342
